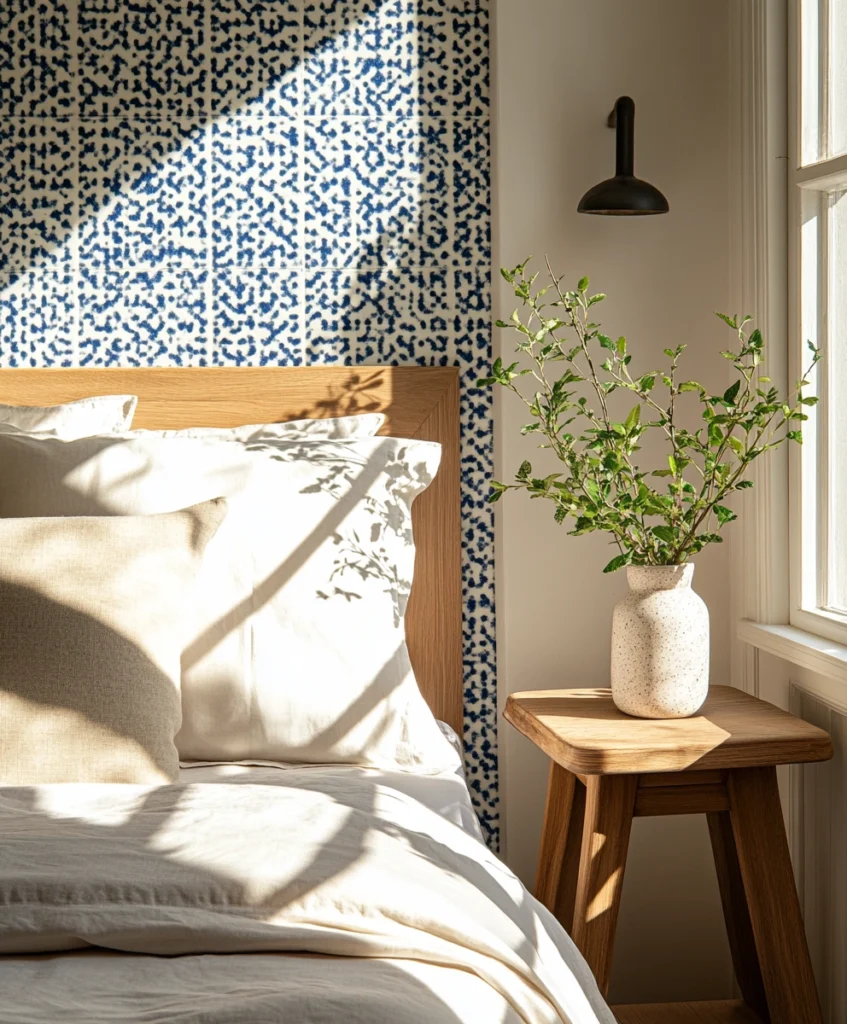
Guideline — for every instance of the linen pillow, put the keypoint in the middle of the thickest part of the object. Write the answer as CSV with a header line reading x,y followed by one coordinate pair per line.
x,y
366,425
100,414
300,655
94,613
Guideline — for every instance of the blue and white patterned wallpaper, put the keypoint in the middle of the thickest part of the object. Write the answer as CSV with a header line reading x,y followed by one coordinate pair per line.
x,y
237,182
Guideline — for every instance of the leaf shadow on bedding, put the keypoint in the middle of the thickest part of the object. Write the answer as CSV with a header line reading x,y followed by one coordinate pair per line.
x,y
81,843
265,591
112,849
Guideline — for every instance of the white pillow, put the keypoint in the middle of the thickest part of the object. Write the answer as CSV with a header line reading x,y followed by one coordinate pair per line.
x,y
102,414
366,425
302,655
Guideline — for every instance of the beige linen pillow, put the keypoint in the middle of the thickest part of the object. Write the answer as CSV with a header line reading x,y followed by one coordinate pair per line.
x,y
101,414
94,613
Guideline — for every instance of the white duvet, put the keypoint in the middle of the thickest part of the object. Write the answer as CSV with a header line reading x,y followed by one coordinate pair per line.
x,y
405,918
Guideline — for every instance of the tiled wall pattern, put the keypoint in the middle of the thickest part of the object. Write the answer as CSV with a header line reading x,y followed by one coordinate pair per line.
x,y
233,182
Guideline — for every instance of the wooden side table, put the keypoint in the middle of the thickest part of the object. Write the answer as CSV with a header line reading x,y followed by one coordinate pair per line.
x,y
607,768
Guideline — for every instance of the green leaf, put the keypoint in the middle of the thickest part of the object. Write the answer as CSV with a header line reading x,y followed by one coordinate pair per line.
x,y
524,472
583,284
730,321
673,466
731,393
606,342
725,515
743,485
633,419
618,562
690,385
665,533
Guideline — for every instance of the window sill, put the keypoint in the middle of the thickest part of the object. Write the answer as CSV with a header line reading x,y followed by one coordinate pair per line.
x,y
815,653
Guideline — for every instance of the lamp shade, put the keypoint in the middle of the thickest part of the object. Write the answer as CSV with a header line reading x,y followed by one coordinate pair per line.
x,y
624,195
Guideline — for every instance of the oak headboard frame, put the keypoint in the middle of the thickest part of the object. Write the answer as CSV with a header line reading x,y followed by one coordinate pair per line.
x,y
418,402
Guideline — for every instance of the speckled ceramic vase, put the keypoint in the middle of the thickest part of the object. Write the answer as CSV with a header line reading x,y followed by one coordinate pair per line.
x,y
660,644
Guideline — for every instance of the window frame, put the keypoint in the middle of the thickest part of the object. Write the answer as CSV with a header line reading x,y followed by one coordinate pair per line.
x,y
810,183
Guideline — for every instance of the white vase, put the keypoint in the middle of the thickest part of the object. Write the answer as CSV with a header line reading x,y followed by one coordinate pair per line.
x,y
660,644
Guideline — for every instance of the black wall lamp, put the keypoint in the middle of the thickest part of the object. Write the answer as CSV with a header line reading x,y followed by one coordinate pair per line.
x,y
624,195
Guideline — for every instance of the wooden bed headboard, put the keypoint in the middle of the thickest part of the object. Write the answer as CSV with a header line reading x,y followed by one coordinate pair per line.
x,y
418,402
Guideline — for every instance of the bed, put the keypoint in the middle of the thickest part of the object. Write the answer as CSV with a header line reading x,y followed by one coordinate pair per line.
x,y
255,891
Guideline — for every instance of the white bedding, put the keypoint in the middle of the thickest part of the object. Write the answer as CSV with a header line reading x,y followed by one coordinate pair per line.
x,y
412,919
446,794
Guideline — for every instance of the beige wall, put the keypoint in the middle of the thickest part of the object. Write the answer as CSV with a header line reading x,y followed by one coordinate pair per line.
x,y
558,67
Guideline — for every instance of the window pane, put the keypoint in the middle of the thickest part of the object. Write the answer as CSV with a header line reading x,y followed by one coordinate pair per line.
x,y
813,221
836,356
810,77
837,77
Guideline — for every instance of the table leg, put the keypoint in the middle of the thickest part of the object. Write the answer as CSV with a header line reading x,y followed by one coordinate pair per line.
x,y
777,924
739,929
610,801
554,834
561,839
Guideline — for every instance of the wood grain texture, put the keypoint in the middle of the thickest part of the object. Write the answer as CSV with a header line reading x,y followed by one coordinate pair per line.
x,y
657,801
720,1012
569,875
768,878
739,929
584,732
418,402
661,780
609,805
561,787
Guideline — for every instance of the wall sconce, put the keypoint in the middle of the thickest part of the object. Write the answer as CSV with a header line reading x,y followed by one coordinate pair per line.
x,y
623,195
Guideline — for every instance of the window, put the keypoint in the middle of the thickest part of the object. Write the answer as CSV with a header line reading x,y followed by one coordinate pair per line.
x,y
818,225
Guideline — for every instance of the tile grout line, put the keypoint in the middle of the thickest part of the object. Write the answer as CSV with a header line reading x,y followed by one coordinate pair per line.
x,y
451,273
76,269
212,356
302,320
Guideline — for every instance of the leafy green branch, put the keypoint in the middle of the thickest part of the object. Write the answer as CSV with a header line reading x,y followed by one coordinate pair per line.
x,y
601,485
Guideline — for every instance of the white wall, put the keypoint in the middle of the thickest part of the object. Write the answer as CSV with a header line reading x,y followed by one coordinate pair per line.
x,y
558,67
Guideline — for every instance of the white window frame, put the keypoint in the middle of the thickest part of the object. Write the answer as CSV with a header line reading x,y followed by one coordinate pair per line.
x,y
809,184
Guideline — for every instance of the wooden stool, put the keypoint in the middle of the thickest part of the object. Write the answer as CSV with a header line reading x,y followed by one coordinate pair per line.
x,y
607,768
